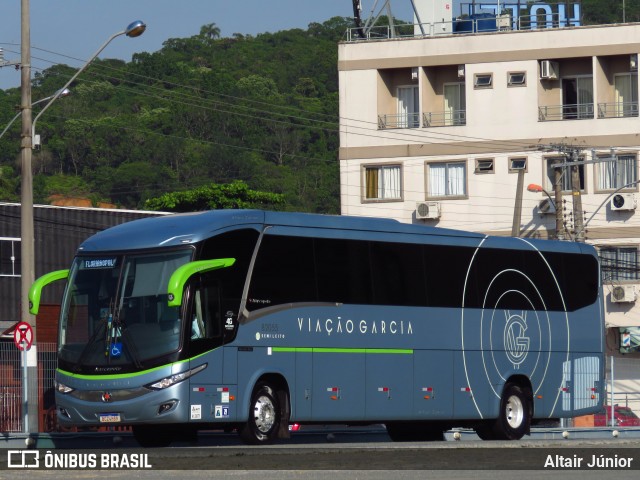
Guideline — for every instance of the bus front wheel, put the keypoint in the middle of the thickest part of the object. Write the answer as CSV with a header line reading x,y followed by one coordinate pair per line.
x,y
264,416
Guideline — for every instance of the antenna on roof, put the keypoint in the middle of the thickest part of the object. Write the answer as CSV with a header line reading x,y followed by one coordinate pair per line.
x,y
364,29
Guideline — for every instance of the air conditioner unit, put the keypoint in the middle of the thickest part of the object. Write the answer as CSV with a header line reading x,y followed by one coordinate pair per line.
x,y
414,74
623,201
623,294
546,207
633,62
427,210
549,70
460,71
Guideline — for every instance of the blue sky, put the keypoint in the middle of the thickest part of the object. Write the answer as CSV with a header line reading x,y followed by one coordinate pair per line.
x,y
77,28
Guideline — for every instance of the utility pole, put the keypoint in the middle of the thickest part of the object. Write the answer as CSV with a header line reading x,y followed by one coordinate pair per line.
x,y
27,269
517,211
557,190
578,223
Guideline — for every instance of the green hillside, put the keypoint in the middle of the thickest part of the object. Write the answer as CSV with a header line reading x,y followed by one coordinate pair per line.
x,y
261,110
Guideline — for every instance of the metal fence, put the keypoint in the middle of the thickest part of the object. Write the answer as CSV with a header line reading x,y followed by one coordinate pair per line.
x,y
11,387
623,383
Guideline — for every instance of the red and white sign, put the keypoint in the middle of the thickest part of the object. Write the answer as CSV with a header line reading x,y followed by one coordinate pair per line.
x,y
23,336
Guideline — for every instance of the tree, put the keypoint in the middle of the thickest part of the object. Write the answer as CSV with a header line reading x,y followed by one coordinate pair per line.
x,y
210,31
215,196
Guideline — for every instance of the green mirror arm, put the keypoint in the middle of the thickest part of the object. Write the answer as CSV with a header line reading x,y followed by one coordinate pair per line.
x,y
35,292
180,277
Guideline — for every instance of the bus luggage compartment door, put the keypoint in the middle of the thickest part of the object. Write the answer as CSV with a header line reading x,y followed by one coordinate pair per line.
x,y
338,386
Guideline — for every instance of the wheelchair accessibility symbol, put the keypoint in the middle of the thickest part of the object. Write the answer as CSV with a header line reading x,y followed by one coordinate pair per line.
x,y
221,411
116,349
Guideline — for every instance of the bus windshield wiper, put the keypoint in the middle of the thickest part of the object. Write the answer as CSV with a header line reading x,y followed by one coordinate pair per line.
x,y
131,347
87,347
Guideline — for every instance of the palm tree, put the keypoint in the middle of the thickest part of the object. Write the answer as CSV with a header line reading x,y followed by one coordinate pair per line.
x,y
210,31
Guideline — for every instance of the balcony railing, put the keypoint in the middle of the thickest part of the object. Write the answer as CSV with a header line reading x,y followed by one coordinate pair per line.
x,y
582,111
429,119
444,119
399,120
481,23
618,109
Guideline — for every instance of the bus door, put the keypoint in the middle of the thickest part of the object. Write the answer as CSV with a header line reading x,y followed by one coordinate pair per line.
x,y
209,398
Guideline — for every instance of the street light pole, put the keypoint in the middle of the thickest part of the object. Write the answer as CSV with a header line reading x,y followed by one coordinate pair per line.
x,y
27,270
27,261
532,187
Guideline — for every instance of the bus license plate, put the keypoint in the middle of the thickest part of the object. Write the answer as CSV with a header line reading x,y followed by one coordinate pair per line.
x,y
109,417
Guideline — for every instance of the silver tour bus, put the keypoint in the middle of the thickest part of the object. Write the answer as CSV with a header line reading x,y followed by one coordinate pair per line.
x,y
251,320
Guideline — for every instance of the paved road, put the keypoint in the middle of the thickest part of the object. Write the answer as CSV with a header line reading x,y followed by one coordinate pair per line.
x,y
359,453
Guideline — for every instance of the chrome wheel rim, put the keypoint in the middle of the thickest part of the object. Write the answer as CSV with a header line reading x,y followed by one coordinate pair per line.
x,y
514,411
264,414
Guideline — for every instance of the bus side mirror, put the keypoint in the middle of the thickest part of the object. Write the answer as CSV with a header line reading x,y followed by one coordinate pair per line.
x,y
35,292
179,278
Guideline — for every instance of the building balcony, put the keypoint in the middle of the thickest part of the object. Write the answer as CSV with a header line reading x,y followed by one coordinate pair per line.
x,y
444,119
582,111
618,110
399,120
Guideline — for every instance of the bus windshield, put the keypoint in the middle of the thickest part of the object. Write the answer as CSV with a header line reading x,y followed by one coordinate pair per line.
x,y
115,315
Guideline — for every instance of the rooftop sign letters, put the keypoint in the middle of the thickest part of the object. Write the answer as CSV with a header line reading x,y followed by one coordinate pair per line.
x,y
533,15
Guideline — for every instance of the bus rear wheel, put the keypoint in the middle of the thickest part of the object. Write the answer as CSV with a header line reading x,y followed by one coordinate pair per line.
x,y
514,419
264,416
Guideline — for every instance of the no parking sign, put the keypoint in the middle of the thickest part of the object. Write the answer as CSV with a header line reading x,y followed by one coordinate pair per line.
x,y
23,336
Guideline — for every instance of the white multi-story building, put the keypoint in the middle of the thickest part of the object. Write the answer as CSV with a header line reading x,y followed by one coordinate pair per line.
x,y
437,128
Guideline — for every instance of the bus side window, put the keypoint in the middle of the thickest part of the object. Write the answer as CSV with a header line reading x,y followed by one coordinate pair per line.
x,y
206,322
197,323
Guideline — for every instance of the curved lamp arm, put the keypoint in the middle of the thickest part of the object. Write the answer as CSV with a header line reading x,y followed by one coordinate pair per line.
x,y
135,29
606,200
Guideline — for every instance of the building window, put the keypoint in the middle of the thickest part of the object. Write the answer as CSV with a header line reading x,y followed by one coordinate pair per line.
x,y
455,104
383,182
516,79
618,173
408,107
485,165
9,257
447,179
565,179
482,80
577,98
626,88
517,164
619,263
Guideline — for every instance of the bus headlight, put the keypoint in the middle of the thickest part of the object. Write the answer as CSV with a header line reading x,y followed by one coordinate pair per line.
x,y
175,379
62,388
